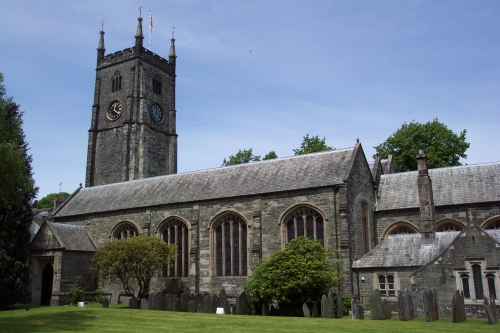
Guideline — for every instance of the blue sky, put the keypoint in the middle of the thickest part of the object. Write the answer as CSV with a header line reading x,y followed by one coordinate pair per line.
x,y
260,74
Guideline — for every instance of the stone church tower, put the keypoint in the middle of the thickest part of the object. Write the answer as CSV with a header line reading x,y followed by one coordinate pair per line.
x,y
132,134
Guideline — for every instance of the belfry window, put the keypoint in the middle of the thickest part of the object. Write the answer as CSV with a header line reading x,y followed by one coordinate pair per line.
x,y
124,231
116,81
305,222
230,235
176,232
157,84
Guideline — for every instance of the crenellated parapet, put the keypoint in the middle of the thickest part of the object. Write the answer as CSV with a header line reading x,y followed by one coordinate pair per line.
x,y
129,54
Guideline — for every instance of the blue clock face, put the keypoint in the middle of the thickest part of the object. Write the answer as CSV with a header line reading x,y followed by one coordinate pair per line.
x,y
156,113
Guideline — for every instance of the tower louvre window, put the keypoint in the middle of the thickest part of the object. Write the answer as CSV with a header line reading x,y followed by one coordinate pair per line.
x,y
157,84
116,81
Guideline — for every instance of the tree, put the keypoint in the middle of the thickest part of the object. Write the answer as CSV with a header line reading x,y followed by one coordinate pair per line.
x,y
134,261
312,145
298,274
241,157
48,200
442,147
17,190
270,156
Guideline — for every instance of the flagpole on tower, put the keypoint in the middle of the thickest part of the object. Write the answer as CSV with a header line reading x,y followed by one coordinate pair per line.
x,y
150,28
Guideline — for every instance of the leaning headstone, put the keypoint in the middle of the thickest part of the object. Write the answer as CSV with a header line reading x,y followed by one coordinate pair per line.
x,y
324,306
200,308
207,304
227,307
314,313
192,306
133,303
144,304
222,298
215,301
185,299
306,311
340,310
331,310
265,309
489,307
458,307
354,308
386,309
199,299
105,303
177,306
161,302
376,311
241,303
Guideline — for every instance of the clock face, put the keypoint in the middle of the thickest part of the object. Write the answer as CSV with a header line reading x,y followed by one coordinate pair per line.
x,y
156,113
114,110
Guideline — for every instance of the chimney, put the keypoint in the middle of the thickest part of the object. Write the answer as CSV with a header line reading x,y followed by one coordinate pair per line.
x,y
426,200
57,203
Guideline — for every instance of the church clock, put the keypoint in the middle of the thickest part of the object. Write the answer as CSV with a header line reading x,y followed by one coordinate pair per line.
x,y
156,113
114,110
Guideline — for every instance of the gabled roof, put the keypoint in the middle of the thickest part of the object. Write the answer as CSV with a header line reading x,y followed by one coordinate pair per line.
x,y
70,237
284,174
405,250
451,186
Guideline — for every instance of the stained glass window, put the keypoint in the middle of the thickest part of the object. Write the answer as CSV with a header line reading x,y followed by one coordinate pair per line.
x,y
231,246
227,248
313,227
218,249
176,232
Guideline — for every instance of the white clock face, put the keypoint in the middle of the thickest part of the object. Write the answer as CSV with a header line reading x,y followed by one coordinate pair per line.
x,y
156,113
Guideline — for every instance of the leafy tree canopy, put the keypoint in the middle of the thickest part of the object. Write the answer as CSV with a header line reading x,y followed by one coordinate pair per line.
x,y
298,274
241,157
48,200
134,261
270,156
17,190
442,147
312,145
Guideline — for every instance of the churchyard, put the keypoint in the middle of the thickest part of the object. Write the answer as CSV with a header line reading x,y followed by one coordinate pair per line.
x,y
119,318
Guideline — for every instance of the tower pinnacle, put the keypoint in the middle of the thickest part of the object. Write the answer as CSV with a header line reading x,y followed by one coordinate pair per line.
x,y
138,35
100,47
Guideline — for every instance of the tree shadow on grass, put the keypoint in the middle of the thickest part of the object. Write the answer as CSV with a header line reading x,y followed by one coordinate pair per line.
x,y
48,322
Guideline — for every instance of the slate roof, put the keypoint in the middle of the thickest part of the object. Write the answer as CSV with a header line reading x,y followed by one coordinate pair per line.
x,y
405,251
69,236
284,174
494,233
451,186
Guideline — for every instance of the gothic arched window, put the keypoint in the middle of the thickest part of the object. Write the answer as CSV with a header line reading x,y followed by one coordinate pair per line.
x,y
449,225
492,223
400,227
125,230
305,222
157,84
116,81
230,242
175,232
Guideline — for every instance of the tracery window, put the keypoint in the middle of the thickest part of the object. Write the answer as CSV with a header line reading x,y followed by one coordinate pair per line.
x,y
230,234
400,227
449,225
386,285
125,230
176,232
305,222
157,84
116,81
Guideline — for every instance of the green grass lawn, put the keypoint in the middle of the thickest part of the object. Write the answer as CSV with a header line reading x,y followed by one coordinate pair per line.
x,y
93,318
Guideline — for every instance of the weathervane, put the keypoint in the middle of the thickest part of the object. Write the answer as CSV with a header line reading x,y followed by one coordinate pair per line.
x,y
140,11
173,29
102,25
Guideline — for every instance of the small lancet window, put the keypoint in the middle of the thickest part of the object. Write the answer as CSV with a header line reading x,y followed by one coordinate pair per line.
x,y
157,85
116,81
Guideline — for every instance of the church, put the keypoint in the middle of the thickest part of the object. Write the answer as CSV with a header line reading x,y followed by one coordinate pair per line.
x,y
437,228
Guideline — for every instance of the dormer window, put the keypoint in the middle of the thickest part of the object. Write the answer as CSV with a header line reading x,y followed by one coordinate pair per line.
x,y
116,81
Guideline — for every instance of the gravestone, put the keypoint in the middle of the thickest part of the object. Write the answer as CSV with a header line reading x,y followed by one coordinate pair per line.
x,y
156,304
215,301
241,303
340,310
354,308
170,307
199,299
489,307
361,312
150,301
324,306
227,307
177,306
315,310
175,299
222,298
386,309
435,312
376,311
265,309
192,306
200,308
331,309
133,303
429,300
207,304
408,305
458,307
161,303
185,299
272,310
144,304
105,303
169,299
193,297
306,311
233,309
